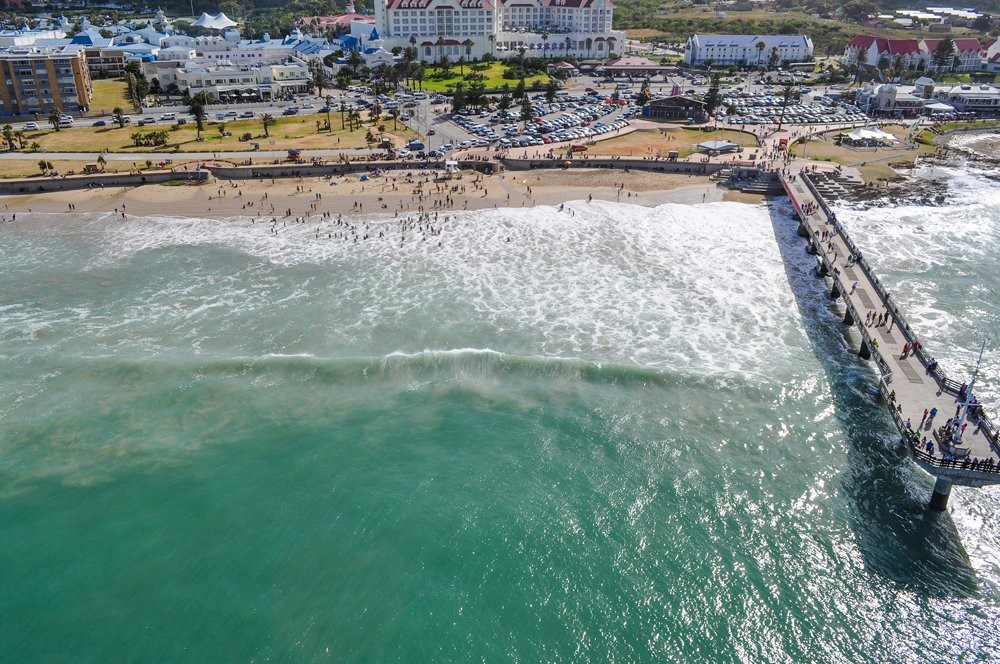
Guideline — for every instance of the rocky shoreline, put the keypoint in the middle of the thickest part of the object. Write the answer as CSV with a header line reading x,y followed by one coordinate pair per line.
x,y
980,150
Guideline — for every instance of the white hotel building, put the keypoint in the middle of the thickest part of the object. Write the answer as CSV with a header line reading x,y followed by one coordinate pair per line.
x,y
747,50
473,28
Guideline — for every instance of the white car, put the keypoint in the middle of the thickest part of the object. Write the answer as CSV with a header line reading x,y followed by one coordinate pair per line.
x,y
31,126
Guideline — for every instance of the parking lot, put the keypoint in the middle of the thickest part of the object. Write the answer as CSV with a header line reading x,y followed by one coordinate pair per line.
x,y
763,108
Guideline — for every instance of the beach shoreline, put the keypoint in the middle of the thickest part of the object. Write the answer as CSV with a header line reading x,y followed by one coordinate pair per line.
x,y
394,193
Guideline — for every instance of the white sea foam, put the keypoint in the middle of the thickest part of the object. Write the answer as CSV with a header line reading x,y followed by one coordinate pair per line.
x,y
701,288
941,265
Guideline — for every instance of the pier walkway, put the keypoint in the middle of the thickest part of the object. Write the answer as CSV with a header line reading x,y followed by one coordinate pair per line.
x,y
908,384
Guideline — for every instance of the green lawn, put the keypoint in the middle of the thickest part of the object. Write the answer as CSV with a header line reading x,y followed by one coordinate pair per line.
x,y
109,93
493,78
290,132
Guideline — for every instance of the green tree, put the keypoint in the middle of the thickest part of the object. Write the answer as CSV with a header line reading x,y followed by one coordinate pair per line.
x,y
458,101
101,161
197,109
944,54
268,121
645,94
550,91
118,117
519,89
222,130
8,136
318,76
54,116
786,96
525,109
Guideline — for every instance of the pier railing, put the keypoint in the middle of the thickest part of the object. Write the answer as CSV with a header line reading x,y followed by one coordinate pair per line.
x,y
944,382
913,441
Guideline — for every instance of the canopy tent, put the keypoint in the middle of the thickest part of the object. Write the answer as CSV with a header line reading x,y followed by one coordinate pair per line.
x,y
218,22
863,135
718,147
939,107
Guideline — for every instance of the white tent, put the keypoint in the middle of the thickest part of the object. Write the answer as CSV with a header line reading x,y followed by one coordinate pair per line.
x,y
939,107
862,135
218,22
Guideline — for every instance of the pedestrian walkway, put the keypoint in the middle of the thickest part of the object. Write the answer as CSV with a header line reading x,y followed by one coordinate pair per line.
x,y
921,398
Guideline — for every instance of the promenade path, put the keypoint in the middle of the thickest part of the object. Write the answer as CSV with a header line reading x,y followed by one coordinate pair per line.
x,y
907,384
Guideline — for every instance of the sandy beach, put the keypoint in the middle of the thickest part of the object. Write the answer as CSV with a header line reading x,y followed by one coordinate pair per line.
x,y
394,193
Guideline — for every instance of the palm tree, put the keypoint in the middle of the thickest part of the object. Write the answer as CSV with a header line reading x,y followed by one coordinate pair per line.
x,y
267,120
786,95
468,44
590,43
329,107
545,43
439,43
197,109
8,136
54,116
101,161
444,62
118,117
354,62
493,42
343,109
569,44
461,66
760,51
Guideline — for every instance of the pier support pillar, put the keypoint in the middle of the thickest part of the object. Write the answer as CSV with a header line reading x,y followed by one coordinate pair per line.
x,y
865,352
811,248
821,270
803,231
939,499
834,290
848,318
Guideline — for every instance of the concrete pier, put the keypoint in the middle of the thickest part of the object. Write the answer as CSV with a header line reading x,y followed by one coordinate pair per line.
x,y
909,383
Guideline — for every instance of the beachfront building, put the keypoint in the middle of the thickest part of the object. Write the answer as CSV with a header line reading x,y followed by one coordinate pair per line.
x,y
675,108
224,82
503,28
747,50
889,100
983,100
38,79
914,54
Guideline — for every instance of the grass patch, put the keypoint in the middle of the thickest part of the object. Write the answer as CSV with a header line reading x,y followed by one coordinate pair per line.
x,y
661,141
298,132
109,93
493,78
873,165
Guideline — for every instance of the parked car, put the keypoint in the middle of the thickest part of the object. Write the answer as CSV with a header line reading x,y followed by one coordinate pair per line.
x,y
100,123
170,117
247,115
291,110
31,126
231,114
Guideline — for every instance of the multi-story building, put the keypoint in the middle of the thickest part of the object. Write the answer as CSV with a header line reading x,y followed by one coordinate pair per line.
x,y
36,80
747,50
264,82
983,100
915,55
503,28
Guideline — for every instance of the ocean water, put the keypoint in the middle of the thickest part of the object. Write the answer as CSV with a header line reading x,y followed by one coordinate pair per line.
x,y
622,435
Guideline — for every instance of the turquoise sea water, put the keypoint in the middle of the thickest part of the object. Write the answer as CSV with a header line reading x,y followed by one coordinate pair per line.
x,y
629,435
